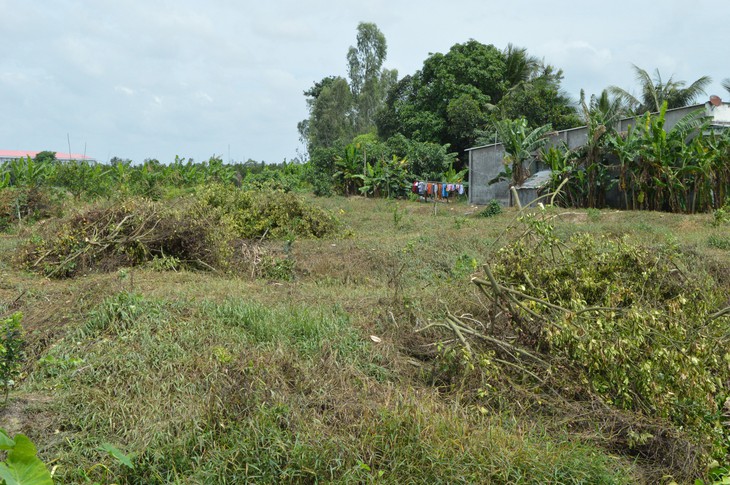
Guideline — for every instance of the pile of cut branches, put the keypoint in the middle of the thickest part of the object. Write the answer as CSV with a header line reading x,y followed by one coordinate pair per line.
x,y
113,235
640,330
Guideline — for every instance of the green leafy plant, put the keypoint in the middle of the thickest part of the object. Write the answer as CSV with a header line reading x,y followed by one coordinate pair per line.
x,y
719,242
21,465
11,351
721,215
492,209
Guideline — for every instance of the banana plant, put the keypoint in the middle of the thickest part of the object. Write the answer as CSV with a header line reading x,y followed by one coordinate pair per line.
x,y
519,144
348,170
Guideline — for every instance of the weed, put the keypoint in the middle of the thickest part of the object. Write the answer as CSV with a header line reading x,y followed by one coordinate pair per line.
x,y
492,209
721,216
719,242
594,215
11,351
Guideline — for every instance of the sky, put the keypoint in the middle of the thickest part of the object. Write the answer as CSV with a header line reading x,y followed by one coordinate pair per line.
x,y
158,78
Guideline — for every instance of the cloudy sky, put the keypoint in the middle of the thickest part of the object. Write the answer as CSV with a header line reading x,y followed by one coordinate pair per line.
x,y
158,78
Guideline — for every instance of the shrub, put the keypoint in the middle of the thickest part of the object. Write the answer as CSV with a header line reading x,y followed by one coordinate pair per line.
x,y
493,208
274,214
637,326
719,242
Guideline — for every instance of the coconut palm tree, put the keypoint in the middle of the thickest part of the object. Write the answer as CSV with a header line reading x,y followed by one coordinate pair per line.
x,y
654,92
519,66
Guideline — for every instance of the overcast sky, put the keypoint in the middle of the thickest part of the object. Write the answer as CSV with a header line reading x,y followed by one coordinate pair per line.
x,y
155,79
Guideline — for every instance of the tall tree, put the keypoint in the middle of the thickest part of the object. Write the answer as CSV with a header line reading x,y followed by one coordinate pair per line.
x,y
369,82
538,97
654,92
338,109
331,117
519,65
366,60
457,93
446,100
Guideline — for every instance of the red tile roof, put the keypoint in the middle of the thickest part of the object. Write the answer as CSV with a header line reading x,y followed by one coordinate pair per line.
x,y
25,153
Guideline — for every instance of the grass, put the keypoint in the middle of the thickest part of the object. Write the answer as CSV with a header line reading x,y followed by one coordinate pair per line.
x,y
211,378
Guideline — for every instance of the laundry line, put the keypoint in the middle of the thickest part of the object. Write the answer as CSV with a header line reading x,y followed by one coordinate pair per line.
x,y
436,190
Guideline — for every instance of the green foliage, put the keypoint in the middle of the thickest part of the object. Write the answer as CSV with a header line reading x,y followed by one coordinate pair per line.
x,y
274,214
129,233
456,94
641,337
277,268
492,209
655,92
115,453
540,101
21,466
84,178
520,144
719,242
387,178
286,177
11,351
721,215
27,172
684,169
368,81
426,160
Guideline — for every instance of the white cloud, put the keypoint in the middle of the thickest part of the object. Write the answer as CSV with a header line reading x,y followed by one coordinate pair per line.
x,y
203,97
125,90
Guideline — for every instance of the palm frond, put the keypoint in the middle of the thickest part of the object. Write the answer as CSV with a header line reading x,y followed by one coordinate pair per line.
x,y
726,84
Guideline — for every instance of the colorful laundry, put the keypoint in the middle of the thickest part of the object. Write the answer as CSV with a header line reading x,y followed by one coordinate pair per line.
x,y
436,190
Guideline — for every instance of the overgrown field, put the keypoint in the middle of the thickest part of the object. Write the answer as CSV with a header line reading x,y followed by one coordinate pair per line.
x,y
370,341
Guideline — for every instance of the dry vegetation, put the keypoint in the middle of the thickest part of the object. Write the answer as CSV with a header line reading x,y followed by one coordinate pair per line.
x,y
316,367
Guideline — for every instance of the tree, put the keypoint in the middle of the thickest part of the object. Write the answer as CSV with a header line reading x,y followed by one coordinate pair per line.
x,y
366,60
519,66
654,92
338,109
540,100
456,94
331,117
423,106
369,82
45,157
726,84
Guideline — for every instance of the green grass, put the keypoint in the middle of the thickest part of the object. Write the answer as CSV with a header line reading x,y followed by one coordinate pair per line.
x,y
214,378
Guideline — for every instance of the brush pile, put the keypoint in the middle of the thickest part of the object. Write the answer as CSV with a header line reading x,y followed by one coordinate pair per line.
x,y
639,335
112,235
220,229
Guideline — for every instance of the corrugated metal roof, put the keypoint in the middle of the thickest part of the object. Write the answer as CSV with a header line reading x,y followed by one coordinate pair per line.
x,y
536,181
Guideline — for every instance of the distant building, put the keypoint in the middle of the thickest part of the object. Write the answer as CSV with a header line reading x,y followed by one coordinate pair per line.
x,y
8,155
487,162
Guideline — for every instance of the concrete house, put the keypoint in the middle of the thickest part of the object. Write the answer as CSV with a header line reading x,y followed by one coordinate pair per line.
x,y
486,162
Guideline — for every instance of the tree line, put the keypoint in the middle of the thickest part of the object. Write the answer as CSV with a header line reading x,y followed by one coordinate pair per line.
x,y
373,127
